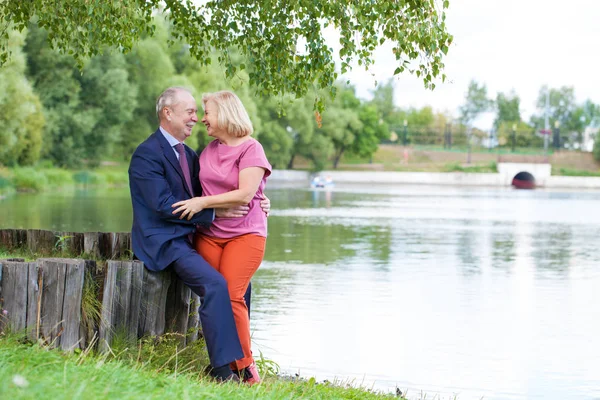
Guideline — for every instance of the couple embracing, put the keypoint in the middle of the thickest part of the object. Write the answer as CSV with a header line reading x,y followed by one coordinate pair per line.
x,y
205,217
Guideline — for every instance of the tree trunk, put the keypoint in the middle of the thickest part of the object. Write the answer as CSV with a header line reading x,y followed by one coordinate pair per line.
x,y
338,157
291,162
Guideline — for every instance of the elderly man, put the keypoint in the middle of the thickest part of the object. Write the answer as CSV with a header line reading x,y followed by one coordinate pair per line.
x,y
162,172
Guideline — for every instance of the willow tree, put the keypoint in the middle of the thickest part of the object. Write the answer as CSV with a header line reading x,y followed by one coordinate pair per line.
x,y
283,42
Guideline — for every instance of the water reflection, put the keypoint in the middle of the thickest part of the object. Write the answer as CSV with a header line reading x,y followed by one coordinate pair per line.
x,y
552,249
467,248
504,243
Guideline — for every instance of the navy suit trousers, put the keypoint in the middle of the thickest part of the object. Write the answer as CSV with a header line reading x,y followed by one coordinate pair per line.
x,y
218,324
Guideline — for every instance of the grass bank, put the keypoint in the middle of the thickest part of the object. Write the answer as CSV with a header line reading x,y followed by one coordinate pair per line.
x,y
41,178
436,159
33,372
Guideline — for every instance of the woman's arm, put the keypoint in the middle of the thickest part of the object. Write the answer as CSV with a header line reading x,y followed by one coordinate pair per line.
x,y
249,180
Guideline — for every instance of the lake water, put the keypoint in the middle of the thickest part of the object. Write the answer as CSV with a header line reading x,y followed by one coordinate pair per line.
x,y
475,292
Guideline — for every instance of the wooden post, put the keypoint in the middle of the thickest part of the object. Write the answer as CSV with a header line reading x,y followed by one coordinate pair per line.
x,y
71,315
40,241
97,244
154,296
194,328
108,298
178,307
7,259
121,301
34,298
14,296
60,312
13,238
119,245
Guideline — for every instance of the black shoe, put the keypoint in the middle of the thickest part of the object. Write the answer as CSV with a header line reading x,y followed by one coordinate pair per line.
x,y
231,378
224,374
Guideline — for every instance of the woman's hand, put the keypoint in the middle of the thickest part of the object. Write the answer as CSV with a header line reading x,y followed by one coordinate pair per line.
x,y
189,207
265,204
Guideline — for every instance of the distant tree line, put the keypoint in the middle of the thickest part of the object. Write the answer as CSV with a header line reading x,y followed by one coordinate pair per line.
x,y
567,119
55,111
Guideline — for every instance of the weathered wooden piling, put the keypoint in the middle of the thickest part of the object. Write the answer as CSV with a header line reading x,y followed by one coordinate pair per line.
x,y
13,238
121,301
41,241
14,284
45,298
97,245
177,313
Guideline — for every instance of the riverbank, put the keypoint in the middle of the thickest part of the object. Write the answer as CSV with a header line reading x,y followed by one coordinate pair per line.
x,y
283,177
39,179
391,164
136,374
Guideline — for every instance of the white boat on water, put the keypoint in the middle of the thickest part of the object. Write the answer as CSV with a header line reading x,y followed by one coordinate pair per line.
x,y
319,181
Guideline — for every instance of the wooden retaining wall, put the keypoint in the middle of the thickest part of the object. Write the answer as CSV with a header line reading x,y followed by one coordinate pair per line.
x,y
96,245
77,303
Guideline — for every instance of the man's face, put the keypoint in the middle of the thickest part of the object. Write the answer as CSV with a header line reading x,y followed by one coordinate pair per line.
x,y
181,116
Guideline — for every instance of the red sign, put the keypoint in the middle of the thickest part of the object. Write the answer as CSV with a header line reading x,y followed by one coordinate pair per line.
x,y
545,131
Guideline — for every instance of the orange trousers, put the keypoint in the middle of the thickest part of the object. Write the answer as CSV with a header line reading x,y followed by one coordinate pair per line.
x,y
237,259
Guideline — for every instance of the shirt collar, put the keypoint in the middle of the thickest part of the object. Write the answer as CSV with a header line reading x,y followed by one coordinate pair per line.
x,y
172,141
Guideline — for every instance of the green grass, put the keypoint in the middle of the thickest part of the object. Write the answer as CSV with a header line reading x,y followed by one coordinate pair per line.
x,y
34,372
462,148
457,167
573,172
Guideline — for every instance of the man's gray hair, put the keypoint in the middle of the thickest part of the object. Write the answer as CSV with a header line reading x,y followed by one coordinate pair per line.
x,y
168,98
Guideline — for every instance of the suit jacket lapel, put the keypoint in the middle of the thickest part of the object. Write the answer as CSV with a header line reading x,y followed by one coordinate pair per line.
x,y
169,153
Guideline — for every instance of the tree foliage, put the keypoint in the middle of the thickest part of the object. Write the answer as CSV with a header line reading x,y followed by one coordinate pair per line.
x,y
21,118
476,102
596,150
564,112
283,43
507,109
85,112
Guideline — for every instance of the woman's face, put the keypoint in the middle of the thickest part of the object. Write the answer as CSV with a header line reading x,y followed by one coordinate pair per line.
x,y
210,119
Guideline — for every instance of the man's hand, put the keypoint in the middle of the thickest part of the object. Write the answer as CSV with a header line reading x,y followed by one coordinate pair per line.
x,y
265,204
234,212
188,208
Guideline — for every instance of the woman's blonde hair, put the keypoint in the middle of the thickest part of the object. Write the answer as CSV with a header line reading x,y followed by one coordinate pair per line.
x,y
231,114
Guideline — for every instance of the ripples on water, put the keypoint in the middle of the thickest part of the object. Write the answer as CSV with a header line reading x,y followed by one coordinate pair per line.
x,y
469,292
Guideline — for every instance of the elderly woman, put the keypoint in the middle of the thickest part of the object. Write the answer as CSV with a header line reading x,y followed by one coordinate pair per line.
x,y
233,172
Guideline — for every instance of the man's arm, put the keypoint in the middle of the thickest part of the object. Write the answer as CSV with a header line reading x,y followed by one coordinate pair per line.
x,y
147,173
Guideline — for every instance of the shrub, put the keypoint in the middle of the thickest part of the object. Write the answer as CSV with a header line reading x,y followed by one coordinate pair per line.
x,y
58,177
28,179
116,178
5,184
89,178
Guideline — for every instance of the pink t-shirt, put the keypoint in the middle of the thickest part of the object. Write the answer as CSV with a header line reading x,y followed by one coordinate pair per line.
x,y
220,167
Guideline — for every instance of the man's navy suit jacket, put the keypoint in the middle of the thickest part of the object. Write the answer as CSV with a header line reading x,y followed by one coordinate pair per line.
x,y
156,182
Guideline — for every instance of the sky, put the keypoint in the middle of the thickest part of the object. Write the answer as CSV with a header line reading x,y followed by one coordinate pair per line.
x,y
506,44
